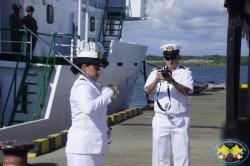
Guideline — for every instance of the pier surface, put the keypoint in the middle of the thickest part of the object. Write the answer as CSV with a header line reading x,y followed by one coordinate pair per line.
x,y
132,139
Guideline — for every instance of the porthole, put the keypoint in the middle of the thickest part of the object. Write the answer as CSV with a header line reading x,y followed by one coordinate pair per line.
x,y
50,14
92,23
119,64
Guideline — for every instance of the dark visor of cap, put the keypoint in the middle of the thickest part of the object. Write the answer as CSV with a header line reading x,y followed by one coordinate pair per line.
x,y
87,60
173,53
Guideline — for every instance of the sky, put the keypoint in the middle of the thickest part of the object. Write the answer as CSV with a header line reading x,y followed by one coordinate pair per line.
x,y
200,26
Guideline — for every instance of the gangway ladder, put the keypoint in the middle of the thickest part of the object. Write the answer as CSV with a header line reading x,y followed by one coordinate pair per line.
x,y
21,100
112,30
28,89
29,101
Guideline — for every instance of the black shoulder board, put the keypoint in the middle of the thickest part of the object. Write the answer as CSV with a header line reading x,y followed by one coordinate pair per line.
x,y
182,67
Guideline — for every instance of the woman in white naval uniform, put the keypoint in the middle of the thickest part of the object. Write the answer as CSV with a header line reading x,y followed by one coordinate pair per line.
x,y
170,123
87,137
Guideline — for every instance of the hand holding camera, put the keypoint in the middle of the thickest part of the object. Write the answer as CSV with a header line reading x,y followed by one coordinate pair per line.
x,y
165,74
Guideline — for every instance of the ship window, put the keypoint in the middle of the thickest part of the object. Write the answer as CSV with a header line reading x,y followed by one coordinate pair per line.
x,y
92,23
119,64
50,14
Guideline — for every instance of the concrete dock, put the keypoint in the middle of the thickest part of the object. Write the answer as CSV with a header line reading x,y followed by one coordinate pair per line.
x,y
132,139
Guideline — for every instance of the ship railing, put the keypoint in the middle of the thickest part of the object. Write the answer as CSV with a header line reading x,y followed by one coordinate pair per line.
x,y
96,3
71,46
73,50
116,6
11,42
7,43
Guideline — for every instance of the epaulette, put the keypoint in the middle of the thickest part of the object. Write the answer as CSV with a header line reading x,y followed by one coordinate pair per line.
x,y
155,68
82,79
182,67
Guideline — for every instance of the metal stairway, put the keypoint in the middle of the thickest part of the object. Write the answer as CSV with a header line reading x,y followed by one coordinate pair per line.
x,y
25,100
29,94
113,20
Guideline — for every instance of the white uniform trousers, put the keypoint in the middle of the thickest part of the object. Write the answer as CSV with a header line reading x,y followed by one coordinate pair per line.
x,y
84,160
167,135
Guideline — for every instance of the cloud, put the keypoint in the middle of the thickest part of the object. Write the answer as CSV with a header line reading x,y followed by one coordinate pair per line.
x,y
193,11
200,25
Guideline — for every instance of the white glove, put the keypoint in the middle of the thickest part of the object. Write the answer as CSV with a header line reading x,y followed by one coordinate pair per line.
x,y
107,93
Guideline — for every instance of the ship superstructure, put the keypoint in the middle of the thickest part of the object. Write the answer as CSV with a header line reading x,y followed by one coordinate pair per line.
x,y
35,85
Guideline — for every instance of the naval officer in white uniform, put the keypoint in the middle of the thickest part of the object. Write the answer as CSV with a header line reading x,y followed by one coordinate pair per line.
x,y
87,137
172,84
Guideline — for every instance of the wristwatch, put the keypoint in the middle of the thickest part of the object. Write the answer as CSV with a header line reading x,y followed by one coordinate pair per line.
x,y
172,81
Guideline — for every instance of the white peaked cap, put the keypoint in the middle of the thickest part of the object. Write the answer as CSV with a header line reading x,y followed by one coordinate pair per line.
x,y
90,49
90,53
175,46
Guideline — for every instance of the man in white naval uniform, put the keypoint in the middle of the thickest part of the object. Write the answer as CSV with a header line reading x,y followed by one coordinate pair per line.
x,y
87,137
171,123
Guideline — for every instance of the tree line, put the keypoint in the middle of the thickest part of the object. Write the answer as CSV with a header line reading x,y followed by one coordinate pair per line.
x,y
207,60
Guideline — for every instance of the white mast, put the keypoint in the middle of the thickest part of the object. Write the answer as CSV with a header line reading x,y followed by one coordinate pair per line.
x,y
87,21
79,18
79,25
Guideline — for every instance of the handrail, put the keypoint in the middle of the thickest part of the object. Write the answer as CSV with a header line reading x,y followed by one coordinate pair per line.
x,y
122,16
66,34
20,89
47,74
22,29
13,81
44,81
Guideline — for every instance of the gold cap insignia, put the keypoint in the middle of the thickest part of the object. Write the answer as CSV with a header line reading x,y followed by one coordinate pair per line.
x,y
169,48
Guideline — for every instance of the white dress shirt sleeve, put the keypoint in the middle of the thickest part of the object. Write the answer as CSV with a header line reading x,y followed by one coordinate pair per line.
x,y
83,99
188,81
150,79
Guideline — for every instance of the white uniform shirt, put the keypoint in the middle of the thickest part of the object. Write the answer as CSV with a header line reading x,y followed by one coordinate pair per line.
x,y
88,133
178,101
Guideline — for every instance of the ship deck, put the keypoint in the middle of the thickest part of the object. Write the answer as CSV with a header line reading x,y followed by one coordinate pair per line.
x,y
132,139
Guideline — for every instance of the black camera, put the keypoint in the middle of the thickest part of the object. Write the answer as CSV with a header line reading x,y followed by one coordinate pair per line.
x,y
166,73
